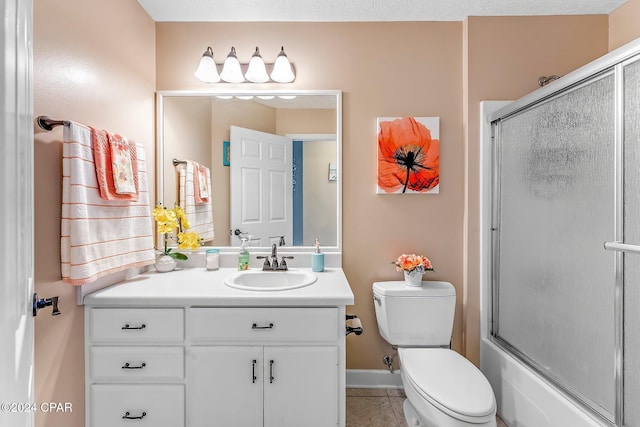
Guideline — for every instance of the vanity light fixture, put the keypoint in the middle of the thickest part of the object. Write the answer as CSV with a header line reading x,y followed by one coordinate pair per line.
x,y
207,70
231,71
282,71
255,72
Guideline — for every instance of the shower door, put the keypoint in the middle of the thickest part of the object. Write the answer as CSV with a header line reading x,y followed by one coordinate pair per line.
x,y
632,236
554,285
566,236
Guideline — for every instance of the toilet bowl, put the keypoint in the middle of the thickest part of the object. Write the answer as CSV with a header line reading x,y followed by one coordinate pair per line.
x,y
446,389
443,388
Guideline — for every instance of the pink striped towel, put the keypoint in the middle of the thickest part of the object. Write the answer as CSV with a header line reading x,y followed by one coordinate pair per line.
x,y
200,215
98,236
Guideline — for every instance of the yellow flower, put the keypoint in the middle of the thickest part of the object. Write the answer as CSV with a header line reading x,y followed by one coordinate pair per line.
x,y
189,240
170,220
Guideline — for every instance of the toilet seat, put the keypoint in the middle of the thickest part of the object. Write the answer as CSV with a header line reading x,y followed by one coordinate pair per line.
x,y
449,382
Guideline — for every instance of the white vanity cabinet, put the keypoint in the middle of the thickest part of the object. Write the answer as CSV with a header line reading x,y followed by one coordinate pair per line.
x,y
181,349
134,367
272,367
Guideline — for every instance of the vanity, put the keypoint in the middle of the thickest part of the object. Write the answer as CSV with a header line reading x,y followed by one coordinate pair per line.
x,y
184,349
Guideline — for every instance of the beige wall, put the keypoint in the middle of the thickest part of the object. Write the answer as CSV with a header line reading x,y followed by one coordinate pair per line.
x,y
383,69
103,72
504,58
623,24
94,63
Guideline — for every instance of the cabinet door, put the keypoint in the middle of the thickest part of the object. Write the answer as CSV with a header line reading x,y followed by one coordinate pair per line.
x,y
225,387
300,386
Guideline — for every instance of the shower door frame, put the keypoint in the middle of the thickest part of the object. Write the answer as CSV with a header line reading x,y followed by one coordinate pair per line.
x,y
614,63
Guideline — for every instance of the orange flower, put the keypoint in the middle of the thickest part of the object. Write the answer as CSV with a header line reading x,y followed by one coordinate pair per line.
x,y
407,156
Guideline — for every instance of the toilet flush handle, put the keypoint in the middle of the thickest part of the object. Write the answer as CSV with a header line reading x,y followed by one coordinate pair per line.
x,y
377,299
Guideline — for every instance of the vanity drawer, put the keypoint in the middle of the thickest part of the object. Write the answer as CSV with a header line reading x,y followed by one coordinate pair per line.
x,y
138,325
139,405
264,324
136,363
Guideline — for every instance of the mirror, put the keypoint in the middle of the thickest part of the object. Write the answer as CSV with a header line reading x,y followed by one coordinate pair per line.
x,y
231,135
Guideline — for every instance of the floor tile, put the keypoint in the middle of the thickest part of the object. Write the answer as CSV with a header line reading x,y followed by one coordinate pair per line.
x,y
378,407
370,411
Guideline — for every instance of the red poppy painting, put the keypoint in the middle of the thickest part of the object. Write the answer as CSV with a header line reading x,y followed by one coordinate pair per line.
x,y
408,155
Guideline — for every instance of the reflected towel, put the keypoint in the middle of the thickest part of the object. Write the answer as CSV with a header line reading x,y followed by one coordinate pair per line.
x,y
202,186
104,167
200,216
98,236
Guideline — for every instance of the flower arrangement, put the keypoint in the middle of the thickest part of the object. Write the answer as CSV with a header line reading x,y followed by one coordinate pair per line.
x,y
413,262
170,220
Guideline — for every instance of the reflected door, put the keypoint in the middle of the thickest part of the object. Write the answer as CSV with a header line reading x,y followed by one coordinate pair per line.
x,y
261,196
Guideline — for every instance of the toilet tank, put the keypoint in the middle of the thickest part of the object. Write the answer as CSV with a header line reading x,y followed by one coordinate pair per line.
x,y
415,316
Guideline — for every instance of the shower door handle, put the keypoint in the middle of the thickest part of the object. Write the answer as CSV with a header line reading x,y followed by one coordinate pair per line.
x,y
622,247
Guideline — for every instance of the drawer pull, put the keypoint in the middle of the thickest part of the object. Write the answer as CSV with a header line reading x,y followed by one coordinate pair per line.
x,y
128,366
128,327
127,416
253,371
271,377
255,326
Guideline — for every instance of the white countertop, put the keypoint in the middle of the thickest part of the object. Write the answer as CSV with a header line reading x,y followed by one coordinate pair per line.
x,y
200,287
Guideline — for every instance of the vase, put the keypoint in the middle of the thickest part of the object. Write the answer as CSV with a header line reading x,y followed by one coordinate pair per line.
x,y
413,278
165,263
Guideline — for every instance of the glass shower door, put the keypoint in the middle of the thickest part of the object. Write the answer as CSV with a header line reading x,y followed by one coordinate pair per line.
x,y
632,236
554,285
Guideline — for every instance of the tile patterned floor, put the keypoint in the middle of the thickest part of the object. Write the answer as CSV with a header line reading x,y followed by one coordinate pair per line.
x,y
377,407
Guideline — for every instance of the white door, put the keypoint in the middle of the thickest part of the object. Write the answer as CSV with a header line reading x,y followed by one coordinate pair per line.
x,y
225,386
301,386
16,216
261,189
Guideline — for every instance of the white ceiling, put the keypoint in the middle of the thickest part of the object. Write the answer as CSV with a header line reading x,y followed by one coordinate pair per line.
x,y
364,10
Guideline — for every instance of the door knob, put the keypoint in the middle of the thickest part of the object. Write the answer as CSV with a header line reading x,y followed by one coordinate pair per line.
x,y
45,302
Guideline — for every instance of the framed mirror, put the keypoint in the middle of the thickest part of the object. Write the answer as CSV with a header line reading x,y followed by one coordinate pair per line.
x,y
268,162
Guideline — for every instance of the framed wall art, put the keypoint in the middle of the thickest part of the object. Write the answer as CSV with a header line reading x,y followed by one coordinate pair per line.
x,y
408,155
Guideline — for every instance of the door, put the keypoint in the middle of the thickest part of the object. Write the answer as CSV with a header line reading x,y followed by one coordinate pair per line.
x,y
261,188
225,386
301,386
16,186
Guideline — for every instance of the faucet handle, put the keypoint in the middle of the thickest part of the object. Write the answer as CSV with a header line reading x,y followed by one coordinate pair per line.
x,y
283,263
266,265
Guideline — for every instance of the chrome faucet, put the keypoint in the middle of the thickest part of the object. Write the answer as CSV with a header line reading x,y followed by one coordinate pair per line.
x,y
274,257
273,265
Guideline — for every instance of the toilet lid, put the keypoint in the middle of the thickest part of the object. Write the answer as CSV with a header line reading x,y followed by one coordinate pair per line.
x,y
450,381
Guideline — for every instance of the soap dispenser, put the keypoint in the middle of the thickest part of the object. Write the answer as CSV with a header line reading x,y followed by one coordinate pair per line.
x,y
243,255
317,259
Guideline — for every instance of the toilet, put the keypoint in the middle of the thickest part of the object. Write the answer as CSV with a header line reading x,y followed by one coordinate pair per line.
x,y
443,388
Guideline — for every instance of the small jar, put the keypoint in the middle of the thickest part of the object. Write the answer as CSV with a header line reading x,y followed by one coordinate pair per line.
x,y
213,259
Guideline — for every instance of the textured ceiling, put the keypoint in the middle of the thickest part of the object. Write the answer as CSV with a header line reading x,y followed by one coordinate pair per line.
x,y
365,10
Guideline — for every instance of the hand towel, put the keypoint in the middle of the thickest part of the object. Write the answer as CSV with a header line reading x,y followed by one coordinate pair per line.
x,y
200,216
98,236
104,167
121,161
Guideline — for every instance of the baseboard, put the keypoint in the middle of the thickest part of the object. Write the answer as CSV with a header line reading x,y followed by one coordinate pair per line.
x,y
373,378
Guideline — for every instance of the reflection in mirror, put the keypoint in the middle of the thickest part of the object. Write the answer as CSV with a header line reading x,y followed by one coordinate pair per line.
x,y
273,163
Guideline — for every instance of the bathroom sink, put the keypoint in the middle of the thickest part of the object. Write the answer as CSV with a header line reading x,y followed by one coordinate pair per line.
x,y
258,280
